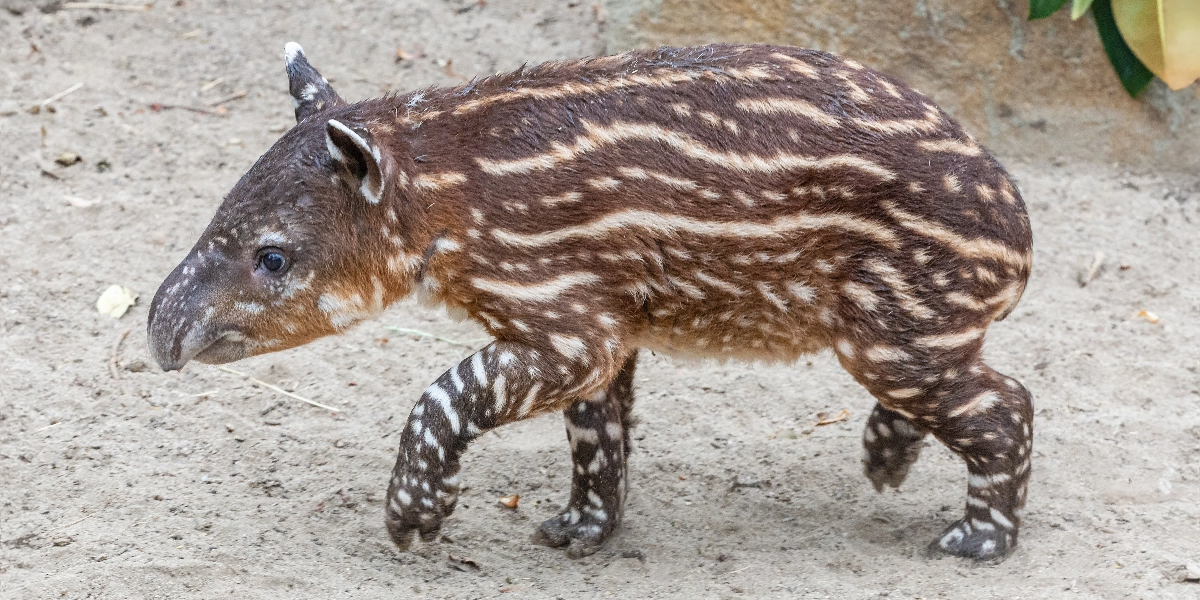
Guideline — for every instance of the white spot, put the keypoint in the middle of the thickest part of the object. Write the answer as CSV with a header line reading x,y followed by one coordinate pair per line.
x,y
614,430
252,308
568,346
582,434
403,497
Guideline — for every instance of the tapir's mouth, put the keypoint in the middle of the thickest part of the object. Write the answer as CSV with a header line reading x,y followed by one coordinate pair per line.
x,y
219,347
229,347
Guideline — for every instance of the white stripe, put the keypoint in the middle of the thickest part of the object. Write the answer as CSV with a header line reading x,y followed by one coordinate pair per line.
x,y
669,224
535,292
1000,519
598,136
477,368
436,392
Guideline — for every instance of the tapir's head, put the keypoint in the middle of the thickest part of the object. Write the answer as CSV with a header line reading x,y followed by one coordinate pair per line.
x,y
302,246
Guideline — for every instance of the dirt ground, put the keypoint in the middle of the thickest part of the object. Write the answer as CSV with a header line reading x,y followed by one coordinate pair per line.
x,y
120,481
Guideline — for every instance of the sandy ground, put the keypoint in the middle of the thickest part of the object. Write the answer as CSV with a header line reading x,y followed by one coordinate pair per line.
x,y
120,481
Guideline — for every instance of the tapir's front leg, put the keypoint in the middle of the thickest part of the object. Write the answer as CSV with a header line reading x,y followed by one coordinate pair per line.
x,y
499,384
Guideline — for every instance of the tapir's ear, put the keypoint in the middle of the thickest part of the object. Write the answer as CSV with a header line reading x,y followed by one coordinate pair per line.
x,y
359,162
311,93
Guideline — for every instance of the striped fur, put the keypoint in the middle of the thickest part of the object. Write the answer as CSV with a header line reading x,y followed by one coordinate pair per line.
x,y
749,202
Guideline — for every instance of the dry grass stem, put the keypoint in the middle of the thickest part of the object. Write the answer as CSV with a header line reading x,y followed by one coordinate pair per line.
x,y
115,355
229,98
60,95
419,333
212,84
278,389
69,524
41,429
191,108
107,6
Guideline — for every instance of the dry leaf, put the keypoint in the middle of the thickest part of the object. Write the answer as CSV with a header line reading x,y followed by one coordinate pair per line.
x,y
842,416
1147,315
510,501
116,300
462,563
81,202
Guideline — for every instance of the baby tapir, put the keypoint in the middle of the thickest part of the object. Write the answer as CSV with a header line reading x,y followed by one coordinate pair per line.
x,y
729,201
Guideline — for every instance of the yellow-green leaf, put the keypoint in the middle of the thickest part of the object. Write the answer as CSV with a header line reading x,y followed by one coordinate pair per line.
x,y
1164,35
1078,7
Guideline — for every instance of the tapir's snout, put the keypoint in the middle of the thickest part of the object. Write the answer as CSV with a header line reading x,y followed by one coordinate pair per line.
x,y
185,324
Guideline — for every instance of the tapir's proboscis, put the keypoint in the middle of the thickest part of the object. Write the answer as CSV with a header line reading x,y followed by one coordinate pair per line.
x,y
728,201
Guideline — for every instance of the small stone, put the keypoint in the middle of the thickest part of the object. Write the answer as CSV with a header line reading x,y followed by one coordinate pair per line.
x,y
67,159
137,366
62,541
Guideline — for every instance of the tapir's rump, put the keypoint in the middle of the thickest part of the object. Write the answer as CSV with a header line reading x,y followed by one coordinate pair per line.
x,y
747,202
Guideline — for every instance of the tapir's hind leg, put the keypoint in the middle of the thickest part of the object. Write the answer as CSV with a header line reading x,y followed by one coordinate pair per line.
x,y
598,430
981,415
891,444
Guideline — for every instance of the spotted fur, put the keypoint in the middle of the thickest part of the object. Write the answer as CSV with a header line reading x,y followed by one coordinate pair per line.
x,y
748,202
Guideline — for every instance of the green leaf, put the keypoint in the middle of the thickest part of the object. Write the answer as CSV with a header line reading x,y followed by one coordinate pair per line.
x,y
1134,75
1040,9
1078,7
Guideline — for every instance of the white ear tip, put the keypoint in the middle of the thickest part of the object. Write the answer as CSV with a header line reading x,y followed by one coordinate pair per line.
x,y
291,50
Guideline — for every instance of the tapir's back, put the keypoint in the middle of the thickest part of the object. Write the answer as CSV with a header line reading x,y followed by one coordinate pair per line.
x,y
747,199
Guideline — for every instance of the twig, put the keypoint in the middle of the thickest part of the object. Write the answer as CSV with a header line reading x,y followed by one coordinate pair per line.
x,y
115,354
842,416
48,427
278,389
70,524
108,6
191,108
419,333
212,84
60,95
231,97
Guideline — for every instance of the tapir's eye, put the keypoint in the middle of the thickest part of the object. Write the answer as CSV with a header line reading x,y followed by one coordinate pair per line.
x,y
271,259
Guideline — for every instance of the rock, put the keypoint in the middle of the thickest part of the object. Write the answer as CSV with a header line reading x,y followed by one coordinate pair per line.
x,y
1192,573
62,541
